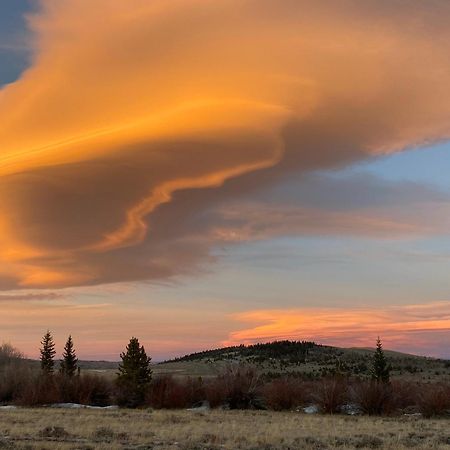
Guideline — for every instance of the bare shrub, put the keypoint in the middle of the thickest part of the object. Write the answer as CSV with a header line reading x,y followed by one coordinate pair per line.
x,y
284,393
14,377
240,387
39,390
404,395
215,393
94,390
9,354
67,388
434,399
13,373
166,392
372,397
330,394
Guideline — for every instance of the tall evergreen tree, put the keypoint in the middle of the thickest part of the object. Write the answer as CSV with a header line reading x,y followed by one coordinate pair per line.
x,y
70,360
48,352
134,375
380,367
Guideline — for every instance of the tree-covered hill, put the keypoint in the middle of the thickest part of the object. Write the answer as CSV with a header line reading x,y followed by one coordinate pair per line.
x,y
306,359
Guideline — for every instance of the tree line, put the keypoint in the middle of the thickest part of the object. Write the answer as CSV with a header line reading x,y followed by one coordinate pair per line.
x,y
236,385
134,374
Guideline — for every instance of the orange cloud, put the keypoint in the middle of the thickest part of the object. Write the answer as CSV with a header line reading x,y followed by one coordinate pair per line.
x,y
134,117
423,328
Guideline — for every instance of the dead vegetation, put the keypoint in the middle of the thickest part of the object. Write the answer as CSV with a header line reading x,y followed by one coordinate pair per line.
x,y
237,387
214,430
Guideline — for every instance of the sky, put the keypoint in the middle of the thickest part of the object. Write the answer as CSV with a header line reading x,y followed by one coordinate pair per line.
x,y
202,173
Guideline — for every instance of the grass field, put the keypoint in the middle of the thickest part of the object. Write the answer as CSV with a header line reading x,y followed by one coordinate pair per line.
x,y
214,430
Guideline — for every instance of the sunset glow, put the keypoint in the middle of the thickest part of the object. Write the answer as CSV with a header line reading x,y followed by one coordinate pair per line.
x,y
410,327
165,165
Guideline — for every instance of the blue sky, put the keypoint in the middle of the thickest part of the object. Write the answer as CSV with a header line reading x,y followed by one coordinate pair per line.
x,y
13,51
430,165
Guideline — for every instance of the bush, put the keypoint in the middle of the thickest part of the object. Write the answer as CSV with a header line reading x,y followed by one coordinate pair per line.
x,y
40,389
404,395
372,397
13,373
239,387
330,394
14,378
284,394
86,389
236,387
434,400
9,354
168,392
215,394
94,390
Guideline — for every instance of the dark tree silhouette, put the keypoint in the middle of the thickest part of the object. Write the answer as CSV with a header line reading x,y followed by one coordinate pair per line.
x,y
69,362
134,375
380,366
47,353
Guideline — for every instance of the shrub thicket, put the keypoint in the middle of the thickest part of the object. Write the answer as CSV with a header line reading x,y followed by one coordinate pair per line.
x,y
238,386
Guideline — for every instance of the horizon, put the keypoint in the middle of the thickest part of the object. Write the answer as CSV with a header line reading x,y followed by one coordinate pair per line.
x,y
176,357
209,173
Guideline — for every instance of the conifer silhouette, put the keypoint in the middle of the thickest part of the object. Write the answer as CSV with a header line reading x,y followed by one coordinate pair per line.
x,y
380,366
69,362
48,352
134,375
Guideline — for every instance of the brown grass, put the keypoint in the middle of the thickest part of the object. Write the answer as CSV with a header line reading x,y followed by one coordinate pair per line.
x,y
217,429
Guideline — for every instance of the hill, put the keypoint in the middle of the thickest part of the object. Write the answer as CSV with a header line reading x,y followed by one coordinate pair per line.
x,y
304,359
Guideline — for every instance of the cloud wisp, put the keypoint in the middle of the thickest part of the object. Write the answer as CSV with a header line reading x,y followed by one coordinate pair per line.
x,y
31,296
137,125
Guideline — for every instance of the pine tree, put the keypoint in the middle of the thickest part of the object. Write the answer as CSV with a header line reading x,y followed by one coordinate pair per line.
x,y
380,366
47,353
134,375
69,361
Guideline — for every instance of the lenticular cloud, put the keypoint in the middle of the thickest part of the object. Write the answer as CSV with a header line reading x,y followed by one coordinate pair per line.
x,y
139,123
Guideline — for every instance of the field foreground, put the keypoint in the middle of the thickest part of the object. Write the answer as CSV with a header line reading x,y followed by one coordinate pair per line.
x,y
146,429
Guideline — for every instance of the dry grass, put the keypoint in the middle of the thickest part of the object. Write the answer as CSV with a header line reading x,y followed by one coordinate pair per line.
x,y
145,429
